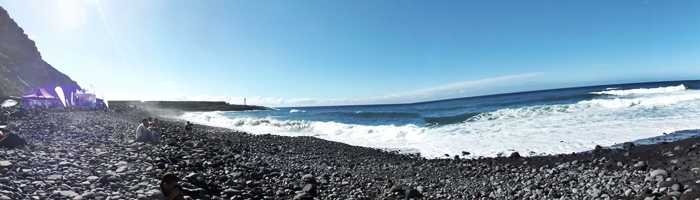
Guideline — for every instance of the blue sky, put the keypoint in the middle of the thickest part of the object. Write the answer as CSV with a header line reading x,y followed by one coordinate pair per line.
x,y
301,53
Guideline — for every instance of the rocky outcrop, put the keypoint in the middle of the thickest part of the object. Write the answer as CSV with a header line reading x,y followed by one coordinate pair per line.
x,y
21,65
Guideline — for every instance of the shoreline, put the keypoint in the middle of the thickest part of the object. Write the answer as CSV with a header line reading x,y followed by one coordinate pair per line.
x,y
655,140
87,155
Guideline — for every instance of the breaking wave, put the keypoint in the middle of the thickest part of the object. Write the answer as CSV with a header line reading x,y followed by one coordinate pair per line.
x,y
643,91
535,125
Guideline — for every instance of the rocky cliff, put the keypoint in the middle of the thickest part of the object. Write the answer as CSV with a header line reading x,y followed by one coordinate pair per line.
x,y
21,65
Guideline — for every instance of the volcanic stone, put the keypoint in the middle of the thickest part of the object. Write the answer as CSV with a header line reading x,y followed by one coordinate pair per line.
x,y
231,192
413,193
308,178
5,163
597,149
303,196
692,195
310,189
66,193
658,172
514,155
54,177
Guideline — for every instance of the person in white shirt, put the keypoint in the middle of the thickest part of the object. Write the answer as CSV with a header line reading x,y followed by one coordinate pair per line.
x,y
143,134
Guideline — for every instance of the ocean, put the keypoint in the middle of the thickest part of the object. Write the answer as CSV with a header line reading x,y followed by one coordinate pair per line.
x,y
531,123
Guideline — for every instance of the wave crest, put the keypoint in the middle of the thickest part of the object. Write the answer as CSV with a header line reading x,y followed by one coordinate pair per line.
x,y
643,91
535,111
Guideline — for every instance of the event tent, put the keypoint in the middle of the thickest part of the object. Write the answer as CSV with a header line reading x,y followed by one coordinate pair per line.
x,y
40,97
39,93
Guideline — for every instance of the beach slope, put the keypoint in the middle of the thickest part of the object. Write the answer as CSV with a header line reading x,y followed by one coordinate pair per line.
x,y
89,155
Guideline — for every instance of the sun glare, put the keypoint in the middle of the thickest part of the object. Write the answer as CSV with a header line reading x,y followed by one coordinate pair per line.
x,y
71,14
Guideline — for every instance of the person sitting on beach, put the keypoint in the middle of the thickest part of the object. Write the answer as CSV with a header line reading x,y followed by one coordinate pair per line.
x,y
170,189
155,126
150,122
188,126
143,134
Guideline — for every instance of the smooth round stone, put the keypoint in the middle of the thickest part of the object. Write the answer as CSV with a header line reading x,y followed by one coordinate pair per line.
x,y
659,178
152,193
675,193
666,183
134,188
54,177
66,193
5,163
121,169
658,172
676,187
88,195
64,163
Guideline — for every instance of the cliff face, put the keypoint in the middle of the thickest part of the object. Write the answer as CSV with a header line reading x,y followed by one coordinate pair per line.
x,y
21,66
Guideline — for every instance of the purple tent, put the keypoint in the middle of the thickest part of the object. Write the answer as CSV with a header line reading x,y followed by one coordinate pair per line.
x,y
39,93
40,97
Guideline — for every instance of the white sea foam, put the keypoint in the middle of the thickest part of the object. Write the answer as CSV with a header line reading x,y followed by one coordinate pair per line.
x,y
588,106
649,102
535,130
643,91
296,111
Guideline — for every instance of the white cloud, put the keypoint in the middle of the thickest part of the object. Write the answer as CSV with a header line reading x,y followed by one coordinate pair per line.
x,y
467,84
32,37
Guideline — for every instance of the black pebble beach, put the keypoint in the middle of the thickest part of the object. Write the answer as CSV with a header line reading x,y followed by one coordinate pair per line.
x,y
89,155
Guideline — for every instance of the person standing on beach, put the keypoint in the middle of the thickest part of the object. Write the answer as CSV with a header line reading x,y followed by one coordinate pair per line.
x,y
4,116
143,134
188,126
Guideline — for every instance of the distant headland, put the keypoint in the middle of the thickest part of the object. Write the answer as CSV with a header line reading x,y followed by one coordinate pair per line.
x,y
201,106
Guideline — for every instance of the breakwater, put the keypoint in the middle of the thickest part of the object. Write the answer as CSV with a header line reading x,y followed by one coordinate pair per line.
x,y
202,106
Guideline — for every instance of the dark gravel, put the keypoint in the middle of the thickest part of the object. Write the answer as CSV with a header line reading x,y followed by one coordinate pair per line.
x,y
89,155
